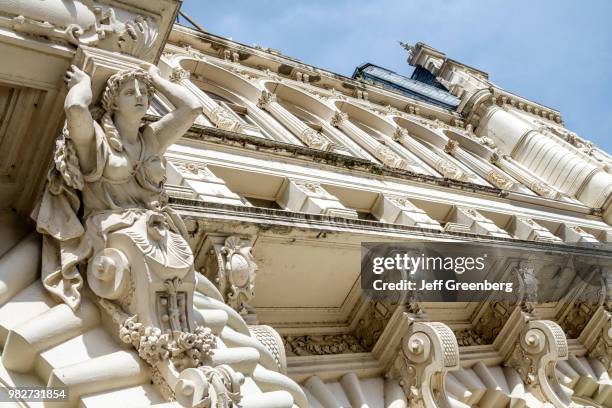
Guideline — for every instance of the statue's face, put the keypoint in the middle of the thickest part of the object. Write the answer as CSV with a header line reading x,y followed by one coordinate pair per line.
x,y
133,99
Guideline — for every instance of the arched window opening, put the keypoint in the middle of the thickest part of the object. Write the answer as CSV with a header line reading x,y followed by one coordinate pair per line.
x,y
236,106
340,144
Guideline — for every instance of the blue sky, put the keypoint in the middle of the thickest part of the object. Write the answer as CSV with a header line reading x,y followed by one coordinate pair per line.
x,y
558,53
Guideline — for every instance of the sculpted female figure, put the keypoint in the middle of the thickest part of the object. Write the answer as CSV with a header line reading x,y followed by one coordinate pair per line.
x,y
109,174
110,238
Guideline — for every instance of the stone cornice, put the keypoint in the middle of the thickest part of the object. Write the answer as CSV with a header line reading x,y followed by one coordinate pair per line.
x,y
266,216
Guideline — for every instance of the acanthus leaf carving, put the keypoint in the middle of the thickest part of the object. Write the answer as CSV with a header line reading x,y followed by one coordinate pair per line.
x,y
500,180
322,345
389,157
449,170
266,99
540,345
338,118
451,146
178,74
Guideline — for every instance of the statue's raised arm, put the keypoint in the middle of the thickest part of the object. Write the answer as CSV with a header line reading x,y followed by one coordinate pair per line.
x,y
79,123
173,125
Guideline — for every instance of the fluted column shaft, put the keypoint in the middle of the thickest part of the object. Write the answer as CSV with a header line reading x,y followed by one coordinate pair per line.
x,y
507,164
554,163
305,133
375,148
440,164
218,114
483,169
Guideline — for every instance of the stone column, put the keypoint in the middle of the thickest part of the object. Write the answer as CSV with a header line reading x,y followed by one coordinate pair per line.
x,y
486,171
378,150
556,164
218,114
440,164
507,164
306,134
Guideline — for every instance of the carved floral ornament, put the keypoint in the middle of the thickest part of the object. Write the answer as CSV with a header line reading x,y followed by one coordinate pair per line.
x,y
88,23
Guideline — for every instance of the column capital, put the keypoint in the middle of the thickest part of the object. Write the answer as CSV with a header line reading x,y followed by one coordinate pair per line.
x,y
179,74
266,99
338,119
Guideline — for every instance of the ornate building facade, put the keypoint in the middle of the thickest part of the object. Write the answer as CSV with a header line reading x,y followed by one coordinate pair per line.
x,y
279,172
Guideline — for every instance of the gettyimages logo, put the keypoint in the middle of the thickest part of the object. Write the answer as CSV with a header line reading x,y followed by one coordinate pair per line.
x,y
475,272
413,264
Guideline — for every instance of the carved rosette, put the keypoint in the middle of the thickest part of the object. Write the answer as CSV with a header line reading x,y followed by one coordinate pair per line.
x,y
312,189
223,119
427,353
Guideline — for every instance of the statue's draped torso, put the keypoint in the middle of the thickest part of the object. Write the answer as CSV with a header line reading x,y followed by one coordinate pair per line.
x,y
122,182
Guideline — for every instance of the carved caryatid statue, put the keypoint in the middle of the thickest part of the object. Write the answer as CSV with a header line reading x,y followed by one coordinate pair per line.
x,y
110,236
108,177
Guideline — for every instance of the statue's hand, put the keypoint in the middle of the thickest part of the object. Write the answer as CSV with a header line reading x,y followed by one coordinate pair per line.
x,y
151,70
75,76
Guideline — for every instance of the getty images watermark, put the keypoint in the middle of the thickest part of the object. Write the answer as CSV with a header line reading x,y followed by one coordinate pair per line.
x,y
474,272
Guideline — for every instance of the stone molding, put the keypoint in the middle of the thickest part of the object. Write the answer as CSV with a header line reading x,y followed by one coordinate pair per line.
x,y
90,23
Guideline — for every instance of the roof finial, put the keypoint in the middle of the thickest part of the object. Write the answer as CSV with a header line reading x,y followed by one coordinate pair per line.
x,y
407,47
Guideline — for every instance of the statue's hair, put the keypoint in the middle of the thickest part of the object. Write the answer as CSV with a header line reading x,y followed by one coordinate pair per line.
x,y
113,87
